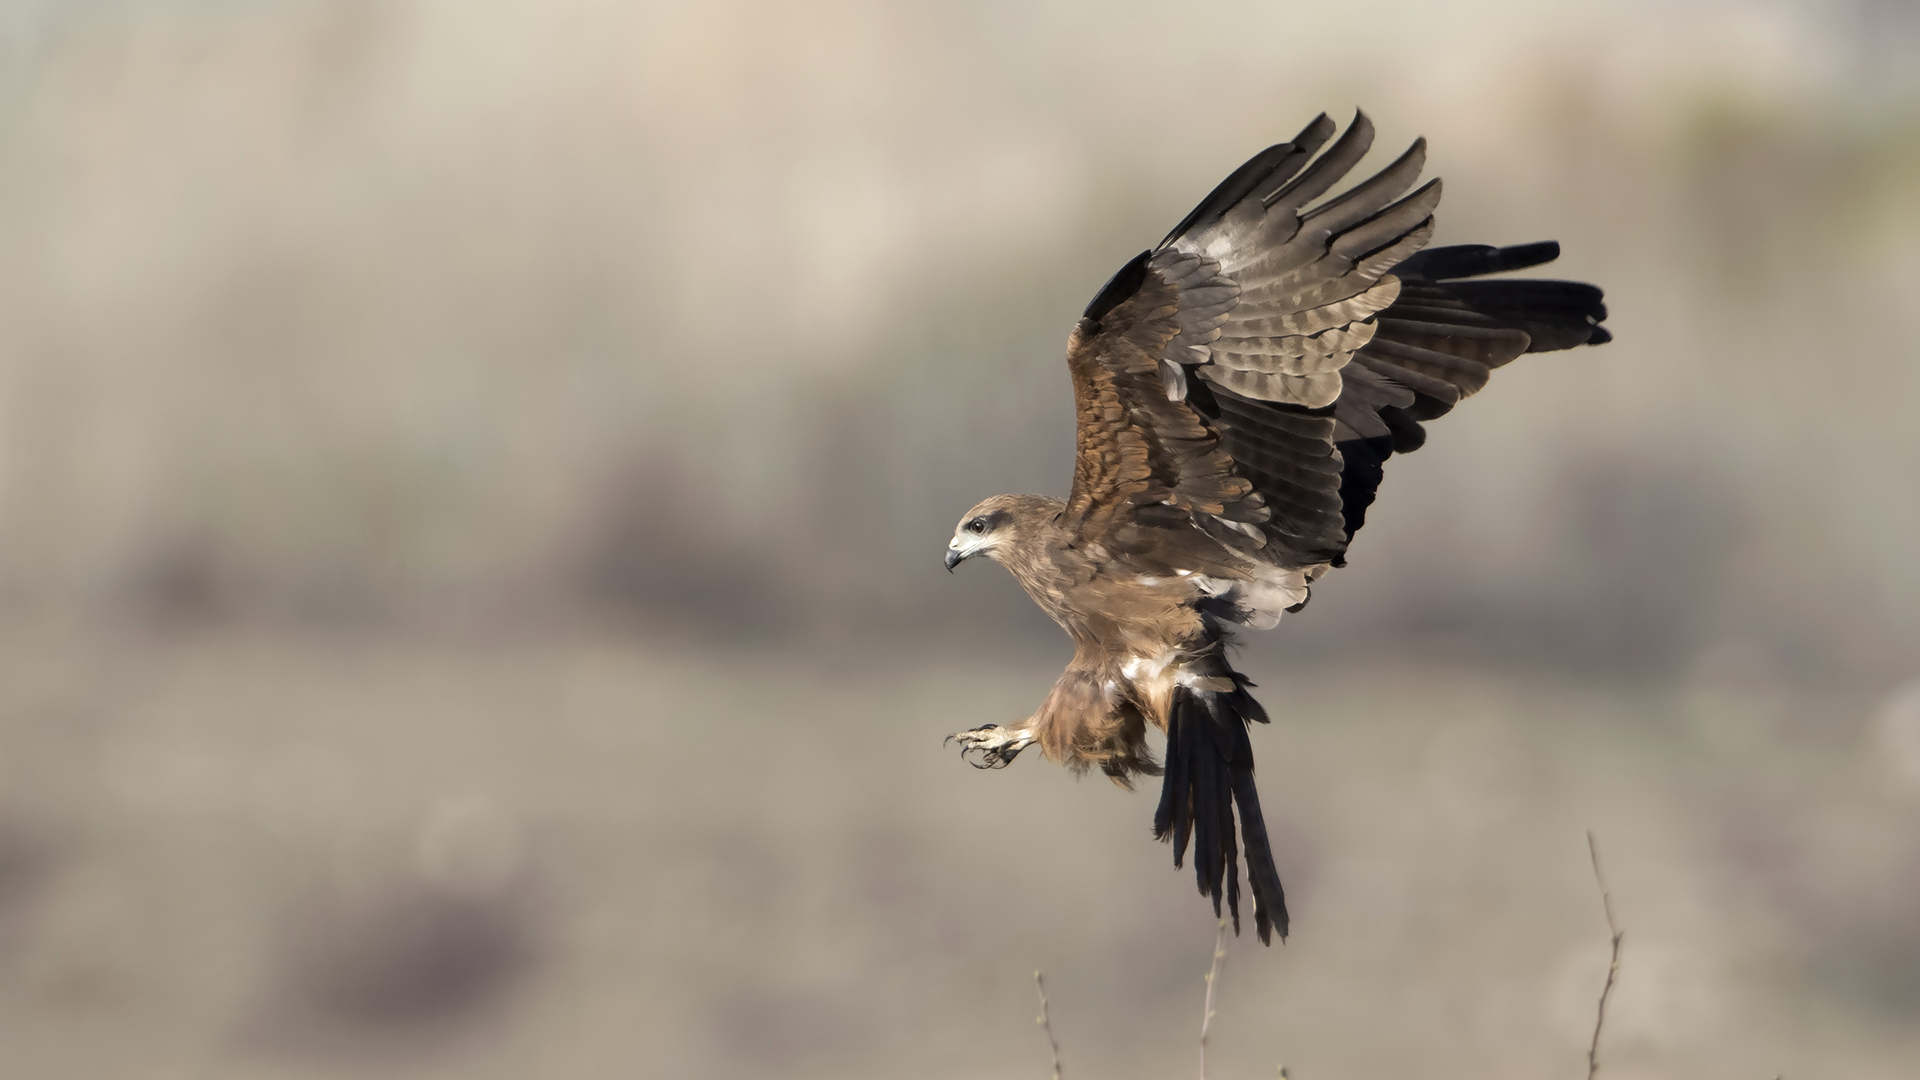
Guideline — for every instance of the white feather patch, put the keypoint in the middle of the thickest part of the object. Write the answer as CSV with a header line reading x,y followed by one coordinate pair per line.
x,y
1141,668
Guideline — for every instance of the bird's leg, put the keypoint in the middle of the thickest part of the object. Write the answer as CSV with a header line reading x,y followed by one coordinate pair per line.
x,y
996,746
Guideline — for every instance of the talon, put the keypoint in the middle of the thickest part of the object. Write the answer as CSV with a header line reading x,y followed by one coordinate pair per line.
x,y
997,746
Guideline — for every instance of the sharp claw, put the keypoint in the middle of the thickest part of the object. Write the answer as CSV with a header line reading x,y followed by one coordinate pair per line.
x,y
994,751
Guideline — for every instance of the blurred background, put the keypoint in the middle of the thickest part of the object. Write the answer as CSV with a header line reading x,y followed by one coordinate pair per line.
x,y
473,477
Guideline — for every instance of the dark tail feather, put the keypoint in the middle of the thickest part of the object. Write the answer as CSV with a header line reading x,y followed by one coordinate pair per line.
x,y
1209,771
1174,816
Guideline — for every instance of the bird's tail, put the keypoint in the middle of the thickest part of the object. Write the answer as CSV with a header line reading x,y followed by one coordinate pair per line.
x,y
1209,771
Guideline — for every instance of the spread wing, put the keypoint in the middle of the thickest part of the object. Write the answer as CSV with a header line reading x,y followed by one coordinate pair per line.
x,y
1439,342
1239,387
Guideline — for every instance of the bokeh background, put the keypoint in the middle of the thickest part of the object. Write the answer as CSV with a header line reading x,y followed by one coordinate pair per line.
x,y
473,475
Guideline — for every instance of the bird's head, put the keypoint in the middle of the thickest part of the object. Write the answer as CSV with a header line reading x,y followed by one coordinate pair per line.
x,y
984,530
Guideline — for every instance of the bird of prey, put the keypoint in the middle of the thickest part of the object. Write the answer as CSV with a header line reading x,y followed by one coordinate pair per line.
x,y
1238,389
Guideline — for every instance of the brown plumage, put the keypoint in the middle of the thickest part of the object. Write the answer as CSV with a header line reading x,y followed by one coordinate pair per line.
x,y
1237,390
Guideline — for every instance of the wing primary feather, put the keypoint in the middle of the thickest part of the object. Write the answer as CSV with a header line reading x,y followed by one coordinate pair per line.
x,y
1315,134
1257,170
1390,224
1365,199
1327,170
1473,260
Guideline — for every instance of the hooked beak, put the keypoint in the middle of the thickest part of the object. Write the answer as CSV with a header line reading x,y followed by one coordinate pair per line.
x,y
954,559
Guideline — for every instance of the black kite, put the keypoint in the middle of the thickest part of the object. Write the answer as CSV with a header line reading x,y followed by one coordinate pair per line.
x,y
1238,389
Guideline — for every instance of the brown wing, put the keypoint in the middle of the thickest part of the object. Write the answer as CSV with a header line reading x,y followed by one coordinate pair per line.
x,y
1221,377
1150,476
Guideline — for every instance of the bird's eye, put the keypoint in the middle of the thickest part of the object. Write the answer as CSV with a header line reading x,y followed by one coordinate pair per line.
x,y
977,525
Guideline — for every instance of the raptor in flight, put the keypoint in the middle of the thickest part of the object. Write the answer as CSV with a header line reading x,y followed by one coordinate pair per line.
x,y
1238,389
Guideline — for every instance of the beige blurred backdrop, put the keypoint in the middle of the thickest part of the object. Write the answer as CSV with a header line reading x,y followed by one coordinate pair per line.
x,y
473,476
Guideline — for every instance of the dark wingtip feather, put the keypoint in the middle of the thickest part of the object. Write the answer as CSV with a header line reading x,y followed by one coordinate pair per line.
x,y
1317,132
1538,253
1124,283
1474,260
1231,190
1327,169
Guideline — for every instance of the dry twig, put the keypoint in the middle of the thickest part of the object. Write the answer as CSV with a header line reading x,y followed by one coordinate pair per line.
x,y
1213,979
1046,1021
1613,966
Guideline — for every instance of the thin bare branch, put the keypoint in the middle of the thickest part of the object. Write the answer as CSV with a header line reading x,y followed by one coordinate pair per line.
x,y
1046,1021
1213,979
1613,966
